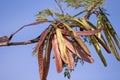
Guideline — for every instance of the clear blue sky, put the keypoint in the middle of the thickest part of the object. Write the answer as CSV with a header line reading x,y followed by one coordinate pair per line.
x,y
17,62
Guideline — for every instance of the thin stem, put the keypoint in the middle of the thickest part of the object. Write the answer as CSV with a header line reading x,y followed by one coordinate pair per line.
x,y
34,23
79,13
93,10
80,33
60,7
21,43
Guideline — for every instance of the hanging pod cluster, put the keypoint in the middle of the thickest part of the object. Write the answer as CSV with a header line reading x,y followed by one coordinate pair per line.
x,y
66,42
65,35
65,38
112,39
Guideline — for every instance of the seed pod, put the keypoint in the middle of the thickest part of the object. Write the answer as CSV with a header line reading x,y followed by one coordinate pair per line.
x,y
62,46
78,40
58,60
71,60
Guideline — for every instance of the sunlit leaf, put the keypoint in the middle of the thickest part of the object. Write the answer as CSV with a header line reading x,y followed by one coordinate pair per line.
x,y
42,15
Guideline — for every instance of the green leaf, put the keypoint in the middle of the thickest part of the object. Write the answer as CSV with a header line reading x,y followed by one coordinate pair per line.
x,y
87,4
59,16
42,15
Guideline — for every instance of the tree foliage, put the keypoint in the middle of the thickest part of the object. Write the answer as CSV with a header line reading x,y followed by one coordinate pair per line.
x,y
67,35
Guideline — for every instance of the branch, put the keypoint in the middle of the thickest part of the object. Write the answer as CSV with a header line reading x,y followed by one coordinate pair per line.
x,y
79,13
90,12
34,23
19,43
60,7
3,40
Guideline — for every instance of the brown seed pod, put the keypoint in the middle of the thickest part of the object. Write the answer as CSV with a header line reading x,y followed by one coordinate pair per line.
x,y
58,60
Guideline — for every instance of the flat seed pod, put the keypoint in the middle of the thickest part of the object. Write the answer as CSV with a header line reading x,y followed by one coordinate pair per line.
x,y
58,60
40,62
103,44
62,46
77,39
110,27
41,40
69,45
111,44
83,33
89,32
71,60
47,55
84,56
98,50
75,50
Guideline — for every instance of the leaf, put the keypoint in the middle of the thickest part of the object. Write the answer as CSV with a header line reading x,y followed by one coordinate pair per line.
x,y
58,60
89,4
41,18
42,15
86,4
73,3
61,45
59,16
67,73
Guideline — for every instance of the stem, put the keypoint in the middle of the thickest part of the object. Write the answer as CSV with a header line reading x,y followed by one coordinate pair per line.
x,y
34,23
79,13
90,12
80,33
60,7
20,43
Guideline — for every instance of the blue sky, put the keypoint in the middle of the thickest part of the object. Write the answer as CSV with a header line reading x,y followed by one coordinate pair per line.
x,y
17,62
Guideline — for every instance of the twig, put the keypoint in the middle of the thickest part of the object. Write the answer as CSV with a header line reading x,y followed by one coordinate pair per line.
x,y
20,43
79,13
90,12
60,7
80,33
34,23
